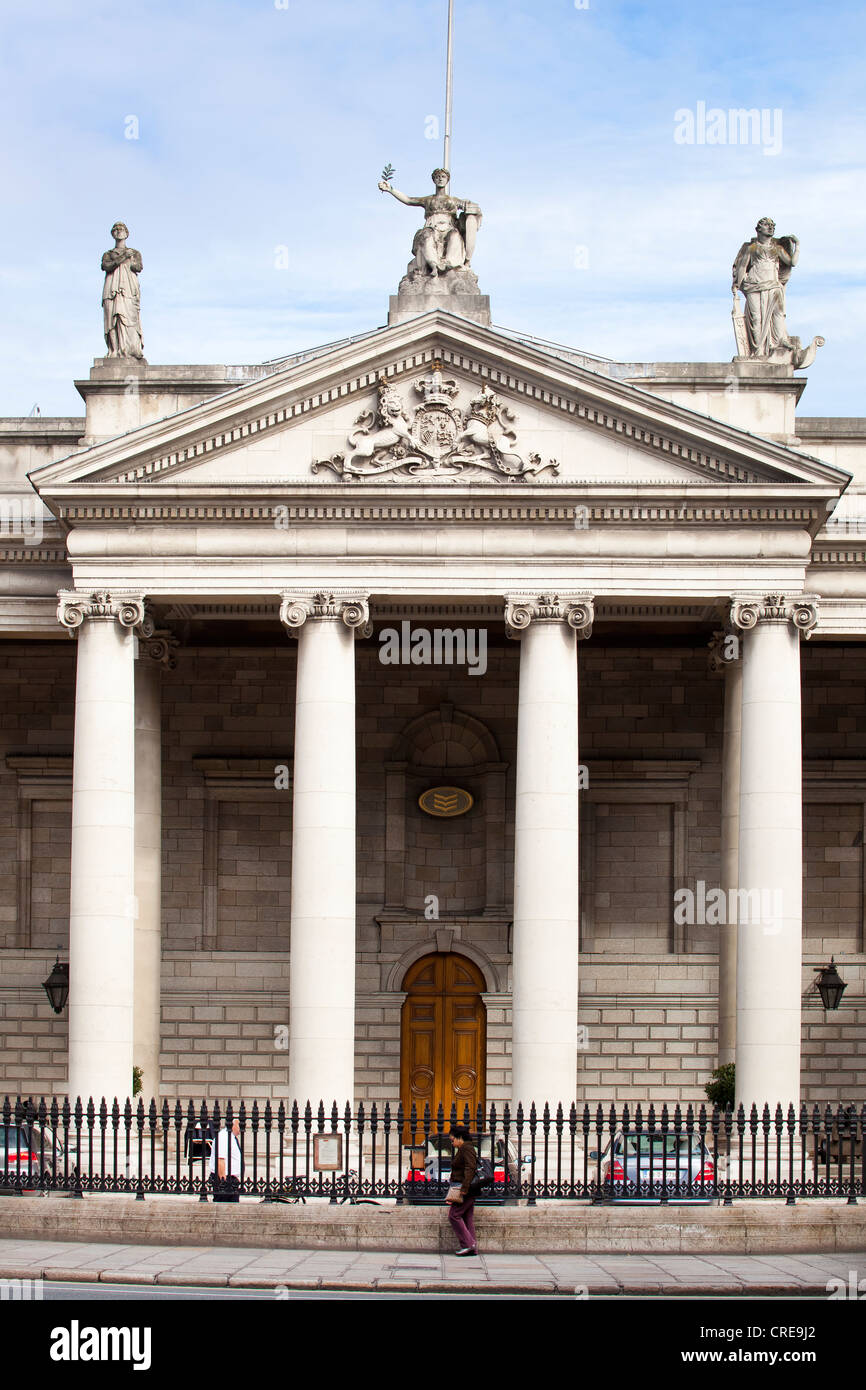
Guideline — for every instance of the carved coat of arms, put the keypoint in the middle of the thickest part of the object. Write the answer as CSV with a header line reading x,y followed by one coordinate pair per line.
x,y
440,439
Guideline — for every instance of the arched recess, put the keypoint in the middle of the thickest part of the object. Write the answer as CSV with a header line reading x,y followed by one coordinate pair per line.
x,y
443,1034
444,940
446,745
446,736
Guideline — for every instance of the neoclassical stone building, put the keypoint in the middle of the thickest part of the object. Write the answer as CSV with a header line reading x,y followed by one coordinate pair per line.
x,y
609,617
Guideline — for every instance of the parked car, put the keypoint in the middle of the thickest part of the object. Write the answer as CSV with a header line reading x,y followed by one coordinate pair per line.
x,y
27,1156
429,1181
637,1167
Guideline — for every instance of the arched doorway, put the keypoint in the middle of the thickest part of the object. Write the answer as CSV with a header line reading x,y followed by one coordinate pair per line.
x,y
443,1034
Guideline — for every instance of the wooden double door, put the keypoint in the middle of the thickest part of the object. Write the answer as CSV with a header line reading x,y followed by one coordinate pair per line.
x,y
443,1035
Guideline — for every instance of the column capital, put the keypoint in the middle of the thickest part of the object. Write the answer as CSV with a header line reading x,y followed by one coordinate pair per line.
x,y
127,608
339,605
157,648
801,610
725,650
578,610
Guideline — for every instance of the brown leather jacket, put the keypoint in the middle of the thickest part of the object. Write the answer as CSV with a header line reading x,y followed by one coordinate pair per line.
x,y
463,1165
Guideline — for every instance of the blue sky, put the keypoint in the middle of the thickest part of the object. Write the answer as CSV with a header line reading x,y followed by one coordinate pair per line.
x,y
264,124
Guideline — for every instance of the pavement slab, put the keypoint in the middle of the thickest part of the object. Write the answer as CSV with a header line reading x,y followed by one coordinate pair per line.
x,y
130,1275
185,1280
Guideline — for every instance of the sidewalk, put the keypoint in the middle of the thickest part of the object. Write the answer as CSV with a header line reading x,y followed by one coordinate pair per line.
x,y
568,1275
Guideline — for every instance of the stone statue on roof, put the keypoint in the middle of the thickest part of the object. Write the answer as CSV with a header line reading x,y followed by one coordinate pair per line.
x,y
442,249
761,271
121,297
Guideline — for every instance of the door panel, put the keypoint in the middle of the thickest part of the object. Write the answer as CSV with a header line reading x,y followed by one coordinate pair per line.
x,y
443,1035
424,1031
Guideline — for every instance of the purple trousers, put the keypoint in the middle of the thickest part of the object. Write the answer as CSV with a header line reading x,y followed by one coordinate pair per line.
x,y
461,1216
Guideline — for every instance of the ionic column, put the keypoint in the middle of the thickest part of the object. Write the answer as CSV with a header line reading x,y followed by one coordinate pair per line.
x,y
769,944
102,902
725,661
546,875
154,656
322,963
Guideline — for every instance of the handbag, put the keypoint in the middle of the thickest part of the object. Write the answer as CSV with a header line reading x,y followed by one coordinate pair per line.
x,y
454,1195
483,1178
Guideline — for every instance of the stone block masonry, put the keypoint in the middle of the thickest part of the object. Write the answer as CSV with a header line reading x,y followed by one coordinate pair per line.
x,y
649,1011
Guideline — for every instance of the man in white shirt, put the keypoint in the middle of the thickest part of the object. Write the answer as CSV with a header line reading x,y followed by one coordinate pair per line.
x,y
226,1164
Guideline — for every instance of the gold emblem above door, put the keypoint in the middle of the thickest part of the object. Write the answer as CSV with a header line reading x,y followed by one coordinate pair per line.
x,y
446,801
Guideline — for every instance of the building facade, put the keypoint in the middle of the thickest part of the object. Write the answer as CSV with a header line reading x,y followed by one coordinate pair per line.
x,y
440,715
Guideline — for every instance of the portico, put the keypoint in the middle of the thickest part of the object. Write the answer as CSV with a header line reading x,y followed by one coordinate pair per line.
x,y
614,512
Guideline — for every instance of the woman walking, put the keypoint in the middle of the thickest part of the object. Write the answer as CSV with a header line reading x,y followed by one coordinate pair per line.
x,y
461,1203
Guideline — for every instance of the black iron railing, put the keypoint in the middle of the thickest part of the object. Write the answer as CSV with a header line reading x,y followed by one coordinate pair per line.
x,y
383,1153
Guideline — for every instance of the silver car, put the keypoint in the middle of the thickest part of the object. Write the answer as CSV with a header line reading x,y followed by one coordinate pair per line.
x,y
644,1167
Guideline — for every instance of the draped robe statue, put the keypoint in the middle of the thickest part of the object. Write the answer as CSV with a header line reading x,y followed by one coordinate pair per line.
x,y
121,297
442,249
761,271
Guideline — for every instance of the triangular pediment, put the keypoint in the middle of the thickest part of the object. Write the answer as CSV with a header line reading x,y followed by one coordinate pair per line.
x,y
437,401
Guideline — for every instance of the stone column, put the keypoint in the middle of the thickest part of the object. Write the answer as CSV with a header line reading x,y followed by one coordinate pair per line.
x,y
322,975
546,874
770,889
725,661
102,902
154,655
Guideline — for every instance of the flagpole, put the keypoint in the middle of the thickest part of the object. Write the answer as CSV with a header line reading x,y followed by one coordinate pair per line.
x,y
446,159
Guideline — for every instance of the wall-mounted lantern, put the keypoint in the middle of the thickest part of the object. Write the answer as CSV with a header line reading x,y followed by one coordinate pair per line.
x,y
830,985
57,985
